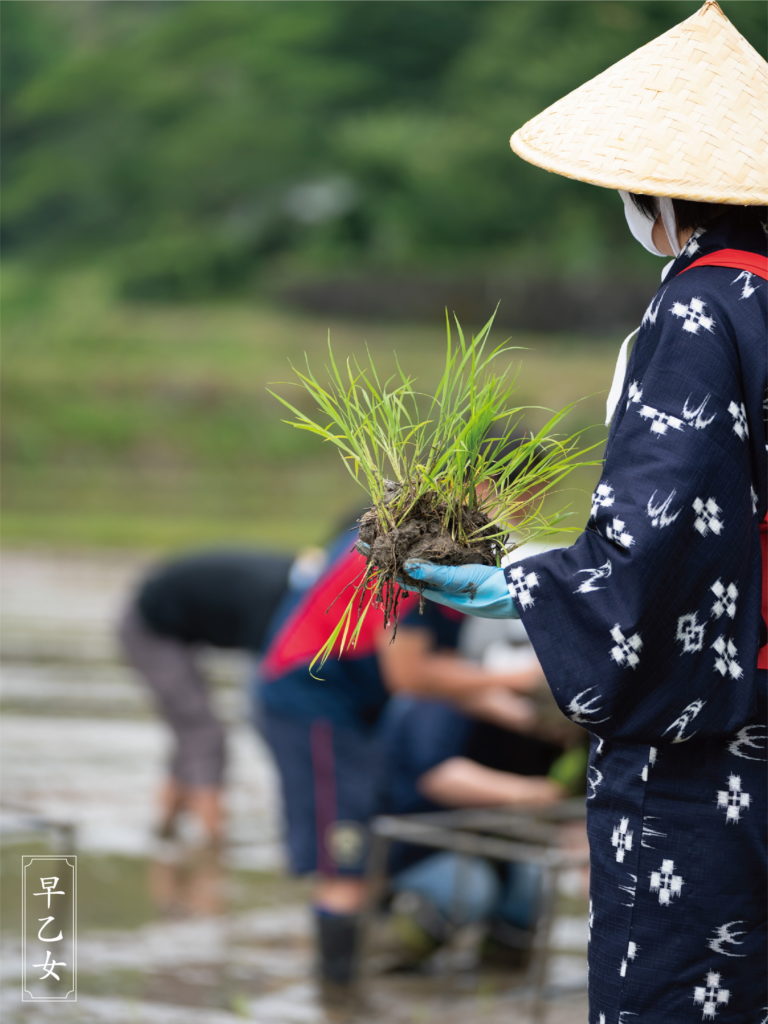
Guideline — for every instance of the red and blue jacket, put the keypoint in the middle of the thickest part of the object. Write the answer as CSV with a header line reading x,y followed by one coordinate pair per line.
x,y
350,690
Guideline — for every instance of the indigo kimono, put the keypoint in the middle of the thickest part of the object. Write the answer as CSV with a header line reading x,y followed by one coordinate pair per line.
x,y
649,630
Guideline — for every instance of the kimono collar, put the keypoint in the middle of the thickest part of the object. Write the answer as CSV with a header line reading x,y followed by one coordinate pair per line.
x,y
723,234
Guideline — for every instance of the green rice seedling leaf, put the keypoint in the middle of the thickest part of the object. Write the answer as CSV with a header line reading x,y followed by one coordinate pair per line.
x,y
451,462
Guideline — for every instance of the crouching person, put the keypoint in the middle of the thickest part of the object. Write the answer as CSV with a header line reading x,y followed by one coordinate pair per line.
x,y
481,745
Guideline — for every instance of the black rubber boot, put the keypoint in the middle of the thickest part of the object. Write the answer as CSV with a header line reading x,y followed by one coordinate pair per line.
x,y
337,939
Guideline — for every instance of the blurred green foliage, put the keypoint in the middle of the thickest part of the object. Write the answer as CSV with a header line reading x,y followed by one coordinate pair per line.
x,y
199,146
148,425
172,167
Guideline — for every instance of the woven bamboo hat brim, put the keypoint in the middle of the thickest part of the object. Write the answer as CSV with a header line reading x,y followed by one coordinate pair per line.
x,y
684,116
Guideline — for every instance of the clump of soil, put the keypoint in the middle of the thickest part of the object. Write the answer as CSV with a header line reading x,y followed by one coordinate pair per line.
x,y
426,533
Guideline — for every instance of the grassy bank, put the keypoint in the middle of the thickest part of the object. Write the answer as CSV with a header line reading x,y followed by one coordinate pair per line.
x,y
149,427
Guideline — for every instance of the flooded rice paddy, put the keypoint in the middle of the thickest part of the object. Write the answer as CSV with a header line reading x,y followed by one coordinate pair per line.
x,y
169,933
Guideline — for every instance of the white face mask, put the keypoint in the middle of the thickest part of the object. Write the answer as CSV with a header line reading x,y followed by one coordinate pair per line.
x,y
641,226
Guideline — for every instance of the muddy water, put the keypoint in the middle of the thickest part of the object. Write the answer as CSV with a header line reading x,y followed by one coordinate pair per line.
x,y
167,932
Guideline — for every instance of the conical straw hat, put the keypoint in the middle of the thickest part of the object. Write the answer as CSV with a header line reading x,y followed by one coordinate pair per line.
x,y
684,116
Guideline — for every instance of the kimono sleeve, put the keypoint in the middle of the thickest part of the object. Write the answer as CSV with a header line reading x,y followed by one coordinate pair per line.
x,y
648,627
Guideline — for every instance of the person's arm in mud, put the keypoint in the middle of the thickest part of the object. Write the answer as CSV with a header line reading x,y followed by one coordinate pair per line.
x,y
411,665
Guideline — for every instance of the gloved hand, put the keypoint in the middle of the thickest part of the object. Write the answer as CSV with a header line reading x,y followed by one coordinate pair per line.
x,y
471,589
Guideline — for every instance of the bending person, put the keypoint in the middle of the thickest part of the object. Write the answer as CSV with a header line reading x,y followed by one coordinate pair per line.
x,y
223,599
324,735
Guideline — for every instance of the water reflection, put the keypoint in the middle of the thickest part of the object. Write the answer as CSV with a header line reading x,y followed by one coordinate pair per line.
x,y
170,933
187,885
182,936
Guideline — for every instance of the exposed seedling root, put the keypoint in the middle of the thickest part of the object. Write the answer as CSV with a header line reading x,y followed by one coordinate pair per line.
x,y
428,532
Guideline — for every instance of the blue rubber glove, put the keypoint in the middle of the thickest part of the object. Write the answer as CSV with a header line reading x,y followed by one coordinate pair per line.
x,y
472,589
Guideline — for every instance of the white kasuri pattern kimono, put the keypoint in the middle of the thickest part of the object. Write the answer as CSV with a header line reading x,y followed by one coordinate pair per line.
x,y
649,630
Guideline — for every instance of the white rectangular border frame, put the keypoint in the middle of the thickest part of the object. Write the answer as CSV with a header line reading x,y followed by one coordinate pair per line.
x,y
27,859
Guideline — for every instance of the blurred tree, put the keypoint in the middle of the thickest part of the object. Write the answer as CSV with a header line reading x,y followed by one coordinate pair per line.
x,y
192,143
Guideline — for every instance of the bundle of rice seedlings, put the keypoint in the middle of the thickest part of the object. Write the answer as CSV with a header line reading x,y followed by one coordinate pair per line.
x,y
445,473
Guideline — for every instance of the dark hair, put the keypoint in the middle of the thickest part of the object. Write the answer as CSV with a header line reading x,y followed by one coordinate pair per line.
x,y
691,214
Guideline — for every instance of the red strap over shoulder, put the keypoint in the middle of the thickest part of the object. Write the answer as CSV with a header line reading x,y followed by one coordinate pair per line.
x,y
762,657
753,263
738,259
